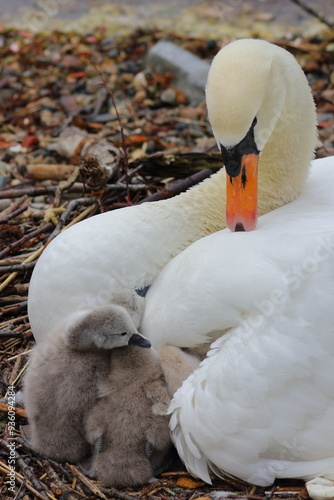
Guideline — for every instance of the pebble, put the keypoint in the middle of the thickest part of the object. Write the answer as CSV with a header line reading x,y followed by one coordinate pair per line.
x,y
140,96
139,82
168,96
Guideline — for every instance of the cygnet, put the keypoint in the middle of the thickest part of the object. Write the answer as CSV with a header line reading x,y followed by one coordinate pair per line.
x,y
129,426
60,385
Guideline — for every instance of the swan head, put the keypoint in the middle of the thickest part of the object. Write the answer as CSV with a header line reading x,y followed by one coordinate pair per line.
x,y
261,111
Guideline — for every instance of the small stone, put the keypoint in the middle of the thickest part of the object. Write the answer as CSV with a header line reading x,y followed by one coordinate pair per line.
x,y
148,103
140,95
191,113
150,147
139,81
168,96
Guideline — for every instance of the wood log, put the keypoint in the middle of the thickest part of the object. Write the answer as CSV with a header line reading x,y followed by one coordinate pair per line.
x,y
177,165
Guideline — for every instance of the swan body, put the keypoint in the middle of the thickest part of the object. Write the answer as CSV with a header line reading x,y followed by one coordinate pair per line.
x,y
87,263
261,404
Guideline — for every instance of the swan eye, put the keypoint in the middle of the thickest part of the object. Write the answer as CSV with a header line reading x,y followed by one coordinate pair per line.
x,y
254,122
149,448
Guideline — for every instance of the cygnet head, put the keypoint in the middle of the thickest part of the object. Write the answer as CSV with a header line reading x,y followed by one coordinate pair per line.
x,y
105,327
262,113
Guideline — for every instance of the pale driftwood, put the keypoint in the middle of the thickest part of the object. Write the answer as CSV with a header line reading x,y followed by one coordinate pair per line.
x,y
42,171
98,159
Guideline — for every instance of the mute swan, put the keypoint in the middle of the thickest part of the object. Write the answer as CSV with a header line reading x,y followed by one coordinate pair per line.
x,y
261,405
129,425
87,263
60,385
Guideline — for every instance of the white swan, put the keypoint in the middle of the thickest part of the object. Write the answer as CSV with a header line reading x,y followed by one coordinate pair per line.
x,y
87,263
261,405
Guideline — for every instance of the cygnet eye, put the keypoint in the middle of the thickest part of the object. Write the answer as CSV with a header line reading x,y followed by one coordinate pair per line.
x,y
149,448
122,334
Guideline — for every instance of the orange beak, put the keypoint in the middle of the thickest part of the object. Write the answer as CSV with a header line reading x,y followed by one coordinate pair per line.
x,y
242,195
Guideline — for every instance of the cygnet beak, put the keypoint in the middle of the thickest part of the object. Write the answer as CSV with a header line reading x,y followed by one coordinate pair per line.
x,y
139,340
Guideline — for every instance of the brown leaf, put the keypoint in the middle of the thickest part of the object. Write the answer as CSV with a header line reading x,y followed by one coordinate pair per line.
x,y
189,483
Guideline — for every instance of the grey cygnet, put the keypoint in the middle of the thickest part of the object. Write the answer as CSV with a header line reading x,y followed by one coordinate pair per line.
x,y
60,386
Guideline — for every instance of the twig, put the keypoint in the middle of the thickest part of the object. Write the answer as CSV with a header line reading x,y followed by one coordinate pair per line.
x,y
26,238
178,186
114,493
13,214
31,191
12,276
18,411
14,320
71,206
124,148
16,356
20,373
65,185
57,481
93,488
23,482
9,334
45,492
74,221
14,308
313,13
130,174
13,206
17,268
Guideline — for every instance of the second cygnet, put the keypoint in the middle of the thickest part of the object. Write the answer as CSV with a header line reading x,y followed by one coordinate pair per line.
x,y
129,426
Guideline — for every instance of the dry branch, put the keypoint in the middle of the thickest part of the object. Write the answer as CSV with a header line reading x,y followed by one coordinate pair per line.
x,y
313,13
18,411
178,187
25,238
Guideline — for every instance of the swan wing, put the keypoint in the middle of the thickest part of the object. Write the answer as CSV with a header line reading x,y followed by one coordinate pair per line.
x,y
260,406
